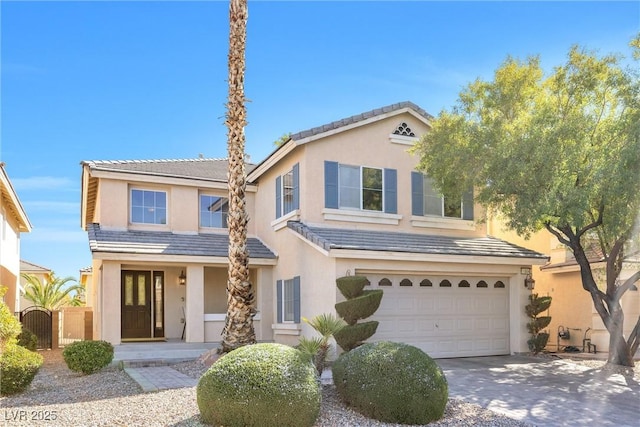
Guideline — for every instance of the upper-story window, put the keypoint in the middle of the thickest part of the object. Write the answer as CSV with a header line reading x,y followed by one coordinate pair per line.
x,y
360,187
426,201
213,211
288,191
148,207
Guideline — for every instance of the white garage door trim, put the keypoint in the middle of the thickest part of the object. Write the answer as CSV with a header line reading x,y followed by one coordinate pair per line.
x,y
464,319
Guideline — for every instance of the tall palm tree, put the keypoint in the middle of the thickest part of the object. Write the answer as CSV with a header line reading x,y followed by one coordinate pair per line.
x,y
52,293
238,329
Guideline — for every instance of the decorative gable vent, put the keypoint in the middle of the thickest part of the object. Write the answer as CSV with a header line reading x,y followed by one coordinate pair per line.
x,y
404,130
403,135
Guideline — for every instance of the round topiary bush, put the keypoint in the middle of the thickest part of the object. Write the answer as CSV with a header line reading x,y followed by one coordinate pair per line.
x,y
260,385
88,356
18,366
392,382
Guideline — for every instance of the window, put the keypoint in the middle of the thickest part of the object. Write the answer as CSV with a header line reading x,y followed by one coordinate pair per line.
x,y
426,201
426,282
288,191
406,282
288,300
464,284
445,284
482,284
213,211
384,282
148,207
360,187
499,284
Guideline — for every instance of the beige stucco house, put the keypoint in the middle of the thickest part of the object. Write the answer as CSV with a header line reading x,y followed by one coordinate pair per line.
x,y
43,274
342,198
13,221
572,308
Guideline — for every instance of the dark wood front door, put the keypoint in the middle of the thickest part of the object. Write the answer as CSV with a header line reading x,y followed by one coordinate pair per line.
x,y
136,304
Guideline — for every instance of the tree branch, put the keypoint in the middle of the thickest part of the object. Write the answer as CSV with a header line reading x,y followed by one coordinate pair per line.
x,y
597,223
626,285
552,230
614,265
634,338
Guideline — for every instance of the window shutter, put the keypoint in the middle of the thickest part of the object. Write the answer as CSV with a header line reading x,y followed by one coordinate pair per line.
x,y
331,184
296,186
296,299
467,205
279,300
417,194
278,197
391,191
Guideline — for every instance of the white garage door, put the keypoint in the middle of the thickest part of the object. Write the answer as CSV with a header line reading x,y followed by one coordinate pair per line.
x,y
444,316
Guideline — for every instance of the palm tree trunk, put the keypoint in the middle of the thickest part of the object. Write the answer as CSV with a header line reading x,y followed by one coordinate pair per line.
x,y
238,329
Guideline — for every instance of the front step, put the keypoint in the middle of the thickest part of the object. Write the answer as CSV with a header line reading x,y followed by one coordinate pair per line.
x,y
148,363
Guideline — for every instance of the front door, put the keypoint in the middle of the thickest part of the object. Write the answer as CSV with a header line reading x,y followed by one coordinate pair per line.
x,y
136,304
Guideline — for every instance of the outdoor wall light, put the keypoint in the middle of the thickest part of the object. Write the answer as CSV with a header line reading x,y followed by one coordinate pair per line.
x,y
529,283
182,278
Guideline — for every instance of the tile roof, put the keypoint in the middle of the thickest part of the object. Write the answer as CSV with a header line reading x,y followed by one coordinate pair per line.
x,y
29,266
167,243
360,117
339,238
207,169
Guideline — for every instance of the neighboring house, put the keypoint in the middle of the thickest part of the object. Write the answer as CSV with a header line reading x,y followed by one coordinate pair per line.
x,y
86,281
43,274
13,221
571,307
339,199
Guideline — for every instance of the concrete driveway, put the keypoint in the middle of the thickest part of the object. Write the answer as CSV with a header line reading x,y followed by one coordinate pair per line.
x,y
545,392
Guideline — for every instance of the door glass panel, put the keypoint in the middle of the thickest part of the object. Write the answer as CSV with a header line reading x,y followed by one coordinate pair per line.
x,y
128,289
158,302
141,290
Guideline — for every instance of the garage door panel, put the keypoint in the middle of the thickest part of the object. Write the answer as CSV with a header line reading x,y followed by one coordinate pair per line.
x,y
445,322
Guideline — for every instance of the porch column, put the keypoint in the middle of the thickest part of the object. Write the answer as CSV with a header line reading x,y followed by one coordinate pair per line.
x,y
194,331
519,298
111,315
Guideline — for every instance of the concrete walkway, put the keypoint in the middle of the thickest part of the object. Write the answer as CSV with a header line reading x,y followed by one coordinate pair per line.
x,y
158,378
545,392
148,363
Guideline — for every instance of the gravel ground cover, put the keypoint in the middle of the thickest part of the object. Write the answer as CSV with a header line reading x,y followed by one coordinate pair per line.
x,y
60,397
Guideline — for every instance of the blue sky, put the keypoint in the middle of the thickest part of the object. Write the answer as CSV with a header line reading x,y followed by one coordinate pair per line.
x,y
147,80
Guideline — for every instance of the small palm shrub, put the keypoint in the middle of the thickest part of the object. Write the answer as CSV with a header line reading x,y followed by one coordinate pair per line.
x,y
391,382
18,367
263,384
28,340
317,348
88,356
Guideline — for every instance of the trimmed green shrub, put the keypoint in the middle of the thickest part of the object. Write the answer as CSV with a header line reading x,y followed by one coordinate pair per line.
x,y
10,327
28,340
18,367
359,307
392,382
263,384
352,336
351,286
539,339
88,356
360,304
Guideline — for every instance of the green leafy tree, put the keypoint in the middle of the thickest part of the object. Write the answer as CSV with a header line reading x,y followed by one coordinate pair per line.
x,y
559,152
52,293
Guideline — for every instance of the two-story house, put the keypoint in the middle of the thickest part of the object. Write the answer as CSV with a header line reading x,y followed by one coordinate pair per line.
x,y
13,221
339,199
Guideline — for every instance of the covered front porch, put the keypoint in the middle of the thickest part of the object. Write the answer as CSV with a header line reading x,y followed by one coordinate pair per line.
x,y
171,303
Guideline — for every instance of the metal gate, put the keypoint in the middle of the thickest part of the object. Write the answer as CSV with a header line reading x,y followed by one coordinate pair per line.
x,y
38,321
